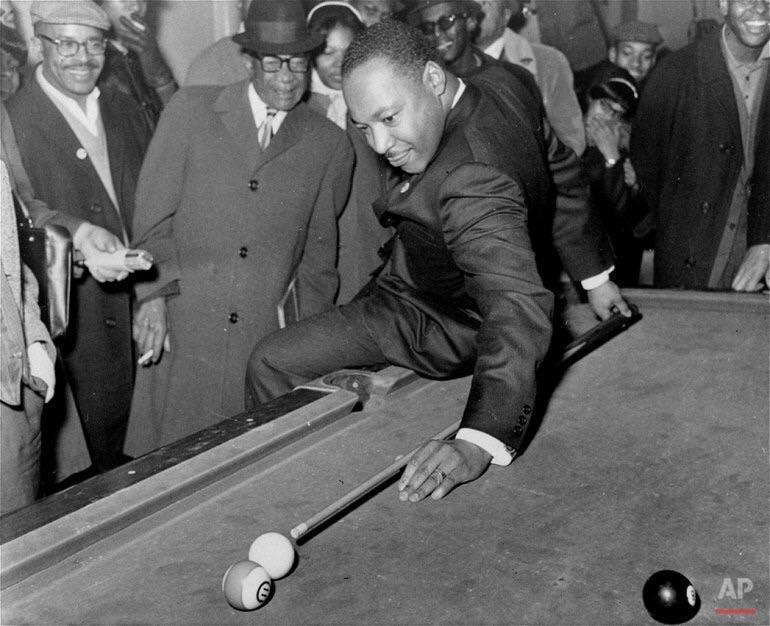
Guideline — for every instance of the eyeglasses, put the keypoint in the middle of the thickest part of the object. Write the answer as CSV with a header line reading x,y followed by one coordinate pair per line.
x,y
445,22
272,64
70,47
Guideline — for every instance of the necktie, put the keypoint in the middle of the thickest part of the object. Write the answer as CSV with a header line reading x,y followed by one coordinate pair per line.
x,y
266,129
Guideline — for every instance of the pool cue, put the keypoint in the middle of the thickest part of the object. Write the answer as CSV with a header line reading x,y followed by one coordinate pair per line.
x,y
371,484
587,342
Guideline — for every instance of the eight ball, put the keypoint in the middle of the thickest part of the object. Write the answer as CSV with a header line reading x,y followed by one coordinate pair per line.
x,y
670,597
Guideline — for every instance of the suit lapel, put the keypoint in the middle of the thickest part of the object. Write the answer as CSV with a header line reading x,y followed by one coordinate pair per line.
x,y
713,72
115,134
292,129
234,110
55,127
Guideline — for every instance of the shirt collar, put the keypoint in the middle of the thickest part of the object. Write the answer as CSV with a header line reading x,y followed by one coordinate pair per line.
x,y
495,49
734,63
259,110
459,93
89,117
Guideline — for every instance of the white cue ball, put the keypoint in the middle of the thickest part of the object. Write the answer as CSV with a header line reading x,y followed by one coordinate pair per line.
x,y
274,552
246,585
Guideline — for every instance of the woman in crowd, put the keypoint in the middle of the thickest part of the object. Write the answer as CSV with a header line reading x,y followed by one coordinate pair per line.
x,y
360,234
609,109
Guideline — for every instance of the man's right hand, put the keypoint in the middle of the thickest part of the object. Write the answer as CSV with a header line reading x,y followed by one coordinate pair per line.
x,y
151,329
90,239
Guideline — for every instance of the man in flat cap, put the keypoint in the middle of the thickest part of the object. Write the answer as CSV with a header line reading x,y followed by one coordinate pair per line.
x,y
634,48
82,148
239,194
701,148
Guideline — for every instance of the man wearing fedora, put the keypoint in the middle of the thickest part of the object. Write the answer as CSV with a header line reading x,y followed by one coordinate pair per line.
x,y
239,194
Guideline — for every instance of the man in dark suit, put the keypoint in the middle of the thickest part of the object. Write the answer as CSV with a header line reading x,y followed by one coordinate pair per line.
x,y
461,291
700,148
560,215
82,150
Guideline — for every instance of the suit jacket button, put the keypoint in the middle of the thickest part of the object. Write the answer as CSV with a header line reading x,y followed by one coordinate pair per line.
x,y
243,252
96,208
526,409
253,184
522,420
517,431
111,323
233,318
689,261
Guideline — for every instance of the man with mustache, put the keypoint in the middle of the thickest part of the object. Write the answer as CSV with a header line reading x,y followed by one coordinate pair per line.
x,y
460,292
701,148
239,194
82,149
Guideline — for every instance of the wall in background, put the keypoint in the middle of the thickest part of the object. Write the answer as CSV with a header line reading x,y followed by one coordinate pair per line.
x,y
573,27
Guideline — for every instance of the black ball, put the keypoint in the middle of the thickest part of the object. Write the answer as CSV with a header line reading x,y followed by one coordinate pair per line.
x,y
670,597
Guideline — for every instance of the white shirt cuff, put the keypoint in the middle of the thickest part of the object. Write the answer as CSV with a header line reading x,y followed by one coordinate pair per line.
x,y
41,366
592,282
501,454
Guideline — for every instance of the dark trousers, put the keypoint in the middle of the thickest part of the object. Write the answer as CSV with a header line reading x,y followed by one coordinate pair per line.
x,y
379,328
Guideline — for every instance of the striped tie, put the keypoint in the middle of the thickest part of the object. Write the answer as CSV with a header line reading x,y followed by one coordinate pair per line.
x,y
266,129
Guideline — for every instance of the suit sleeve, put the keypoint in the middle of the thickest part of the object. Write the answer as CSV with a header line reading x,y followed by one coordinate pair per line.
x,y
317,273
485,228
578,234
158,195
561,103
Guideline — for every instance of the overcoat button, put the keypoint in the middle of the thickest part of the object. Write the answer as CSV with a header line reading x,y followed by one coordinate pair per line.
x,y
243,252
253,184
233,318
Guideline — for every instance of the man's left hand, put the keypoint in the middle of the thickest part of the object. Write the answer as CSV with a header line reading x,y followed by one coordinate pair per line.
x,y
439,466
143,43
606,297
754,269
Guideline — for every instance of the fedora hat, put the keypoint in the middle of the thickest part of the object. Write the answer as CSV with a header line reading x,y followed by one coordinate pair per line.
x,y
277,27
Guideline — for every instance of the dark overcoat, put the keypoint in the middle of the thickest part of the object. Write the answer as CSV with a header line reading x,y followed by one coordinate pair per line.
x,y
687,150
97,350
231,226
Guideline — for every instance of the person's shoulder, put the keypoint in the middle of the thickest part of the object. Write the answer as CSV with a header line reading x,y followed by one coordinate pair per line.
x,y
220,63
316,122
550,55
22,102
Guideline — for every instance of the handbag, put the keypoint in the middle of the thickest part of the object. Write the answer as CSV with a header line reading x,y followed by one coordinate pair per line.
x,y
47,251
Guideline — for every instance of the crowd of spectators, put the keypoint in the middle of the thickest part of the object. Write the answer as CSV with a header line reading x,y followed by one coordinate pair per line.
x,y
261,199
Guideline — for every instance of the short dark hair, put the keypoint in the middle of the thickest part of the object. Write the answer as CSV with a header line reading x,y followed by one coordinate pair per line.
x,y
403,45
327,18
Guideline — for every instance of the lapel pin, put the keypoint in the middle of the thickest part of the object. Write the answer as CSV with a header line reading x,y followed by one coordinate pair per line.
x,y
81,153
405,187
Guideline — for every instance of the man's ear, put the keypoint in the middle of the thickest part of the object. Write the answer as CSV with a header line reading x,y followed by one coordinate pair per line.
x,y
248,61
612,54
434,78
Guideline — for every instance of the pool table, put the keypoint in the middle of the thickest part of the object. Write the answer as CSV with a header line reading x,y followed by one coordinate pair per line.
x,y
652,454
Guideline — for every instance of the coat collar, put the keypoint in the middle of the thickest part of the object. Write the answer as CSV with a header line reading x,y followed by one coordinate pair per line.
x,y
232,105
